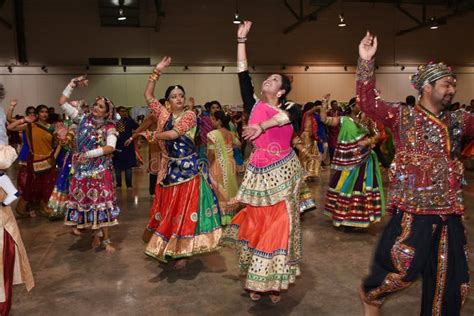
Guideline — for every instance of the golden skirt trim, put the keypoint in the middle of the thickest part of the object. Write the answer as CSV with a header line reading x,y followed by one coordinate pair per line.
x,y
266,188
97,225
176,248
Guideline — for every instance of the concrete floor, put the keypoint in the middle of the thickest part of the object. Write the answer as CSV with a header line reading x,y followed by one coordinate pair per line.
x,y
73,279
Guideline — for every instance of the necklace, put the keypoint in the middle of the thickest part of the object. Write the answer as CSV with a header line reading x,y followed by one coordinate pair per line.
x,y
176,117
98,121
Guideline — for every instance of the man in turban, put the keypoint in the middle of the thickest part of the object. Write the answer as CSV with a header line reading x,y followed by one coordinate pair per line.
x,y
425,235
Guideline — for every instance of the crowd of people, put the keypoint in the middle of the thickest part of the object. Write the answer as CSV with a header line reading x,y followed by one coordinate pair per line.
x,y
207,195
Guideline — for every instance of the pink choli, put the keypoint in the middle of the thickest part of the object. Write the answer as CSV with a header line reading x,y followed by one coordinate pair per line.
x,y
275,143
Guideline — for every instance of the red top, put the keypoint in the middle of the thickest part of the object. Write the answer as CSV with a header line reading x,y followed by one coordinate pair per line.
x,y
425,176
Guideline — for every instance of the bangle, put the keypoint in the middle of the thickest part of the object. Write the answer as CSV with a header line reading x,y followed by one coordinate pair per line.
x,y
93,153
261,126
157,72
153,77
242,65
68,91
149,101
241,39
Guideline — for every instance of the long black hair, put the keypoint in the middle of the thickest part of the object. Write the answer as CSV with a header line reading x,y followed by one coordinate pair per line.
x,y
285,85
28,109
40,107
308,106
220,115
349,107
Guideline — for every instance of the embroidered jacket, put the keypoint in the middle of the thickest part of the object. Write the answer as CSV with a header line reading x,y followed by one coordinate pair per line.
x,y
425,176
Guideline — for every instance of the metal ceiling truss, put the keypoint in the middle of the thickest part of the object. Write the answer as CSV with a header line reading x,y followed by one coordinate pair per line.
x,y
301,17
457,8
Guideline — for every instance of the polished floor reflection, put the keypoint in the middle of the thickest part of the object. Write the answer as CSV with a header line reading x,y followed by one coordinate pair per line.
x,y
73,279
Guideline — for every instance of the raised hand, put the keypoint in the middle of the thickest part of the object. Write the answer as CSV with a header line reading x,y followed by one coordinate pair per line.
x,y
79,81
327,96
165,62
244,29
368,46
13,103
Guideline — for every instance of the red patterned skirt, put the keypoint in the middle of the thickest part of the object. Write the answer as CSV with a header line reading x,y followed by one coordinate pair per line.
x,y
92,202
184,221
35,186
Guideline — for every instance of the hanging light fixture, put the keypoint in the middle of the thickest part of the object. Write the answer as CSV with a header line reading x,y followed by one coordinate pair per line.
x,y
121,17
341,23
236,15
434,25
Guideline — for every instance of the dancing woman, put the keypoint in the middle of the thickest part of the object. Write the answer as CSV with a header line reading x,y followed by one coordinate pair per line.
x,y
41,170
92,203
184,219
21,207
64,132
222,165
309,140
355,195
267,231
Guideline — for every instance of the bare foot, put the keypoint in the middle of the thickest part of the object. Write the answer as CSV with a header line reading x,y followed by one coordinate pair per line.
x,y
76,232
96,240
254,296
369,310
109,248
180,264
275,297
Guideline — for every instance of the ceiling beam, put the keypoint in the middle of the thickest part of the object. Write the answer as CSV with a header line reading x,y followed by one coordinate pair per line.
x,y
303,18
428,22
5,23
159,14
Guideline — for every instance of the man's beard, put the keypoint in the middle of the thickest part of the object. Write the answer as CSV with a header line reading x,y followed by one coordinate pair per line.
x,y
446,103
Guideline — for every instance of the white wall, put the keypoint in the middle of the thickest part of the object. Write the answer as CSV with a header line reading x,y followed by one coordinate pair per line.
x,y
31,86
68,32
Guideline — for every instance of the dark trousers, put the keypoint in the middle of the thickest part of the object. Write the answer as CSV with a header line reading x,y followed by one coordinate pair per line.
x,y
152,186
331,152
430,246
381,156
128,177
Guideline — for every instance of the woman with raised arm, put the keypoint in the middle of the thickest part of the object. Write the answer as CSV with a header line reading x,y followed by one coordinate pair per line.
x,y
92,203
185,218
22,205
267,231
41,170
355,195
154,151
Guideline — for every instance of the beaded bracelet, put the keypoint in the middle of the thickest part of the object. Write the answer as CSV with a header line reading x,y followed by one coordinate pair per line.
x,y
241,39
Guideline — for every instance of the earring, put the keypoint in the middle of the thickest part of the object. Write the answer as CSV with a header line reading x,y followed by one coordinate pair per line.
x,y
278,95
